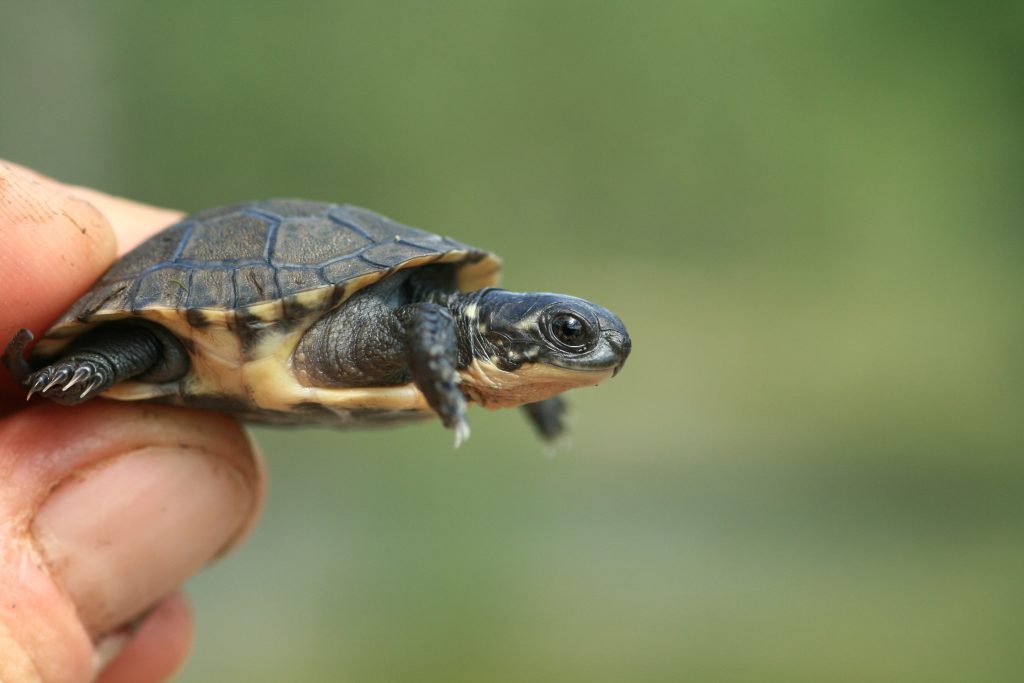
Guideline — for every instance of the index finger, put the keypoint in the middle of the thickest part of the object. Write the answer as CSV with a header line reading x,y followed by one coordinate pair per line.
x,y
131,221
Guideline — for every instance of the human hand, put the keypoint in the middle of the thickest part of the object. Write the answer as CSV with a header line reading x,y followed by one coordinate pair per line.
x,y
107,507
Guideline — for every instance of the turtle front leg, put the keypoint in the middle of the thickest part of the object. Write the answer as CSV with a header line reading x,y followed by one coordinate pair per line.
x,y
547,417
102,358
431,353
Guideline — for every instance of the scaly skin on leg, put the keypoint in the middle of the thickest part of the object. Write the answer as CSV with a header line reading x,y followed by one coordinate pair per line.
x,y
431,351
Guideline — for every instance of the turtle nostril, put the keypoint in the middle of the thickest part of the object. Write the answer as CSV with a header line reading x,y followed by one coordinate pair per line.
x,y
620,344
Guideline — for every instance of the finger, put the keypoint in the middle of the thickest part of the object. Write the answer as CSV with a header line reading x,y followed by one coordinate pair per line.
x,y
52,248
132,221
157,648
132,499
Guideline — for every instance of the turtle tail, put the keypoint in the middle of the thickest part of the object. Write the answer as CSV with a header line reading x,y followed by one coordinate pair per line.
x,y
14,357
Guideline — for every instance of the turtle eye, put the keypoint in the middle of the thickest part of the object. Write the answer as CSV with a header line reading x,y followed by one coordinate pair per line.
x,y
568,331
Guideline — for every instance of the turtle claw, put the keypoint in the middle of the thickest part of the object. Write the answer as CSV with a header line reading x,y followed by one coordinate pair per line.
x,y
59,376
96,381
461,432
36,386
80,374
57,381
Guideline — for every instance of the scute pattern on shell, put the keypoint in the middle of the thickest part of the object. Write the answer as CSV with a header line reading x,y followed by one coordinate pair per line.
x,y
235,257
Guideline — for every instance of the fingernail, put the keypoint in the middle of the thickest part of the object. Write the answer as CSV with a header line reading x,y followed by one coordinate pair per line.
x,y
124,533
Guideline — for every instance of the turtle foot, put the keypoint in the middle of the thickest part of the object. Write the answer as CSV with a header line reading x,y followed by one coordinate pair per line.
x,y
69,381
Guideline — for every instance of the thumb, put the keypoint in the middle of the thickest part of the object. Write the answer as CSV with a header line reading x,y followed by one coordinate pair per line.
x,y
106,509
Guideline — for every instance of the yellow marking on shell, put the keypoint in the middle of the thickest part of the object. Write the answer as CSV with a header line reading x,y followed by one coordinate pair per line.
x,y
355,284
484,273
268,311
312,298
493,387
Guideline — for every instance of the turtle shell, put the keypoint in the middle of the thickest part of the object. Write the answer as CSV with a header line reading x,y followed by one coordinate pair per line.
x,y
238,283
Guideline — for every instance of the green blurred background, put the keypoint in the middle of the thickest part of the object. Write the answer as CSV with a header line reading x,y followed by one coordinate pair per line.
x,y
809,215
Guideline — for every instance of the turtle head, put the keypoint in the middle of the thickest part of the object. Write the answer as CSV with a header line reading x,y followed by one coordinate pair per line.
x,y
525,347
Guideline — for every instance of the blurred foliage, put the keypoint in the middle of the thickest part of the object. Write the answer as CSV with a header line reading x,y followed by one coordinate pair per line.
x,y
808,213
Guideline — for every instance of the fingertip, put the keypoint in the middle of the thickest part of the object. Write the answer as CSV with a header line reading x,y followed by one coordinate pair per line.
x,y
132,221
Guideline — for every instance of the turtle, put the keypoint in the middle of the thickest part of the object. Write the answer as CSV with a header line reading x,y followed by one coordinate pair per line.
x,y
291,311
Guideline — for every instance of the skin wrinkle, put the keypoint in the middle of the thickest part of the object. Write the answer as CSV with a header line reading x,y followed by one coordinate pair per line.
x,y
23,208
18,206
41,598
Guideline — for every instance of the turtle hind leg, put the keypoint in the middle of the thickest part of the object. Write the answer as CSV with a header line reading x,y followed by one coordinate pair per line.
x,y
102,358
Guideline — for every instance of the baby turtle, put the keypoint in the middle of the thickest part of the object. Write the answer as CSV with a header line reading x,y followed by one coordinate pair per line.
x,y
291,312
